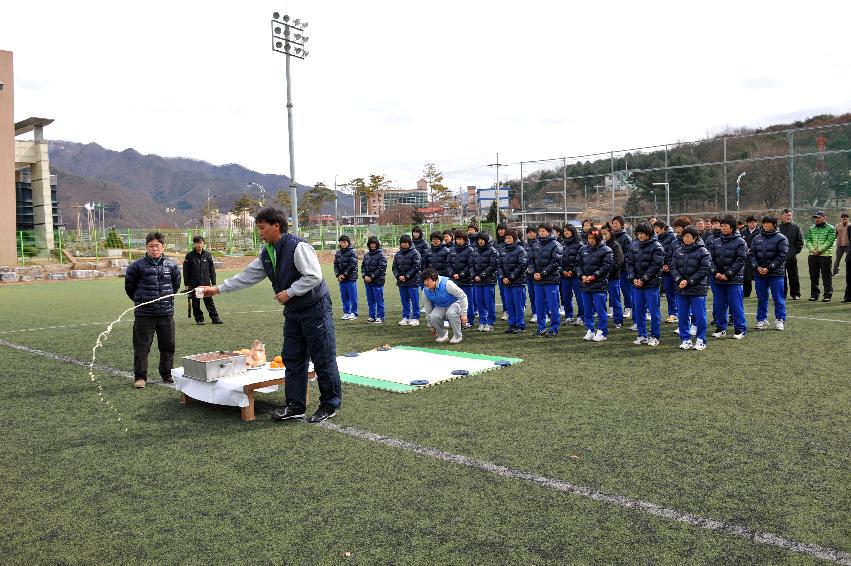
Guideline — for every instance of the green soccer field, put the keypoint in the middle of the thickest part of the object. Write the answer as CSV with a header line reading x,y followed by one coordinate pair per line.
x,y
754,434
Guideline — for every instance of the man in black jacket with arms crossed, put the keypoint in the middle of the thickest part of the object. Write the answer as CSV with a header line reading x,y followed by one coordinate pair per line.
x,y
199,270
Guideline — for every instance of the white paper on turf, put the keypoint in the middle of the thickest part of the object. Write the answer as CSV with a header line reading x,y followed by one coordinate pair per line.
x,y
404,366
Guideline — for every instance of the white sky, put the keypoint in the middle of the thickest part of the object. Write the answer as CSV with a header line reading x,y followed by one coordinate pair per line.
x,y
389,86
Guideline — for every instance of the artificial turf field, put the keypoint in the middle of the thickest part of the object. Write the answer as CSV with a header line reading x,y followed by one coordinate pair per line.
x,y
754,433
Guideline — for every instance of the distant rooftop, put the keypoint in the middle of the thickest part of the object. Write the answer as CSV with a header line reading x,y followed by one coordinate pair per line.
x,y
31,124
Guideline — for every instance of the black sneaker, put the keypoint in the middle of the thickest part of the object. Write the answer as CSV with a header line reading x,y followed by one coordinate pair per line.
x,y
812,299
287,412
509,330
517,331
217,321
826,300
323,413
552,334
199,322
543,333
168,381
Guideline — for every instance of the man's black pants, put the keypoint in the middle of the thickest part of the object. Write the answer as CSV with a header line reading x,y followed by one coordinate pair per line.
x,y
792,282
144,328
199,314
309,336
820,264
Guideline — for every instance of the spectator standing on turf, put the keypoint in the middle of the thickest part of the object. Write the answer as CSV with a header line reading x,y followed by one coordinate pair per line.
x,y
346,271
512,263
729,255
485,266
644,268
614,285
841,242
417,241
529,245
436,256
570,285
620,236
795,236
406,270
769,250
819,241
501,230
691,267
443,301
595,264
199,270
587,226
374,272
545,267
147,279
666,236
291,265
461,272
748,232
847,297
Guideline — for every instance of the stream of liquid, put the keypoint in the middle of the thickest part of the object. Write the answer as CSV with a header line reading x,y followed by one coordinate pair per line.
x,y
102,337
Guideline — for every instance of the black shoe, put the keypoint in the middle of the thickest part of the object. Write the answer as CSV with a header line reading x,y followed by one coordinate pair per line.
x,y
552,334
199,322
796,298
543,333
835,273
217,321
826,300
846,301
812,299
509,330
168,381
287,412
517,331
323,413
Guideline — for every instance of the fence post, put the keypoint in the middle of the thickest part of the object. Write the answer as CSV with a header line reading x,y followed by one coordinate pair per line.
x,y
129,247
97,256
725,176
60,247
791,136
21,246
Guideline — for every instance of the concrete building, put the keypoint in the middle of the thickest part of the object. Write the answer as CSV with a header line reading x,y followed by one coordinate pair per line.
x,y
377,203
27,191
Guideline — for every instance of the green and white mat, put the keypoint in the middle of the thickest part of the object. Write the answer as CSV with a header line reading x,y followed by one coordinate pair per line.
x,y
396,369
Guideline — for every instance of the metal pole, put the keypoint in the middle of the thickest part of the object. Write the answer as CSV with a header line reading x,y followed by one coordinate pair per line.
x,y
791,136
497,187
725,175
667,189
522,199
293,189
613,183
564,186
336,209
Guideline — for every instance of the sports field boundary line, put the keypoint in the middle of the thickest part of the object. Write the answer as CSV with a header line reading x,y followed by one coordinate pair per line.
x,y
625,502
646,507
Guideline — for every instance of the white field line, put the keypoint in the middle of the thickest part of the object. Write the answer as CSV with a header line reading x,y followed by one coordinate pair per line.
x,y
768,539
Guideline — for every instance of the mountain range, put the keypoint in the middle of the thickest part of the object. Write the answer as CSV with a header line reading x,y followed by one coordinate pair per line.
x,y
137,189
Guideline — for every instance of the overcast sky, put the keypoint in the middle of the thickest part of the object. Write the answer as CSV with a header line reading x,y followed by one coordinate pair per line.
x,y
389,86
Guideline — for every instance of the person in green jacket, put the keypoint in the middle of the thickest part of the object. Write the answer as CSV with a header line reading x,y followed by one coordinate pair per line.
x,y
819,241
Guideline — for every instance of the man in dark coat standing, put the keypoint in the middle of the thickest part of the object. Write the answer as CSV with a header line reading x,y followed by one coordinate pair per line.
x,y
199,270
795,236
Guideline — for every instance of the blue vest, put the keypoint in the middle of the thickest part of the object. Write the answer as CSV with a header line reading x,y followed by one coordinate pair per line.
x,y
439,296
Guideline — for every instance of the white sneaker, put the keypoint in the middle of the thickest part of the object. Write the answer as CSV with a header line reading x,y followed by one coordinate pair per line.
x,y
653,342
455,339
404,322
719,334
568,320
647,316
693,330
640,340
686,345
487,328
414,322
370,319
671,319
481,328
598,336
634,327
504,316
699,344
761,324
780,324
345,316
627,312
534,318
442,339
379,321
589,335
577,321
560,311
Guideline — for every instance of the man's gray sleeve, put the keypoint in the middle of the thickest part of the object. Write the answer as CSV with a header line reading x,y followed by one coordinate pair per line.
x,y
427,306
308,265
459,294
251,275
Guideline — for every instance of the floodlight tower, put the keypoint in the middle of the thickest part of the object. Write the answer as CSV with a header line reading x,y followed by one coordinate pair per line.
x,y
288,38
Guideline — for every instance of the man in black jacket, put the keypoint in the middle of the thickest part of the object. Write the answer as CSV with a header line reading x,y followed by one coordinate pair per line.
x,y
198,270
795,236
148,279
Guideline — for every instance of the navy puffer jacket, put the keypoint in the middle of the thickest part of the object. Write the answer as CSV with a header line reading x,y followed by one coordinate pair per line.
x,y
436,258
667,239
729,255
570,255
529,246
769,249
147,279
597,261
645,261
420,245
485,261
374,264
461,264
407,262
512,264
625,242
546,260
694,264
346,264
618,259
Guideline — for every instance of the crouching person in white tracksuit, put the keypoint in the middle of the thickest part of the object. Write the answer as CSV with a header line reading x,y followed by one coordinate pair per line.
x,y
444,300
